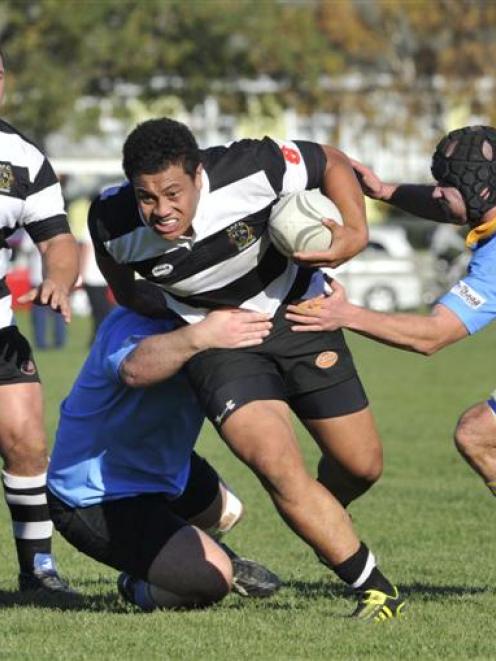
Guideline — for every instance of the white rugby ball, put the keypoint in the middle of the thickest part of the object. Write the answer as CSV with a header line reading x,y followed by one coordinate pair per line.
x,y
295,222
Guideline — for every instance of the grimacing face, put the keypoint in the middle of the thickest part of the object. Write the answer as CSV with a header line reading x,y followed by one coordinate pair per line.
x,y
453,199
168,200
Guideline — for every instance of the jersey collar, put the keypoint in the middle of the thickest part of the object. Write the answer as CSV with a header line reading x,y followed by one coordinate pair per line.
x,y
481,232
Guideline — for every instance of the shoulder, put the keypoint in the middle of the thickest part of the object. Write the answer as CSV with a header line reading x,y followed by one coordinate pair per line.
x,y
114,212
238,160
19,150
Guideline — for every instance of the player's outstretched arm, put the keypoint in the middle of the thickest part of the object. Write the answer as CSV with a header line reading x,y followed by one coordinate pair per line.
x,y
160,356
424,334
417,199
60,257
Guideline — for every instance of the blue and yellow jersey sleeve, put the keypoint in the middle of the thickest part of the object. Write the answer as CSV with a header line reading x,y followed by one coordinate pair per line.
x,y
473,298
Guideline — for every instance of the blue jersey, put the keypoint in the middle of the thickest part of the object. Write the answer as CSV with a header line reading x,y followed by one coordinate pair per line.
x,y
473,298
114,441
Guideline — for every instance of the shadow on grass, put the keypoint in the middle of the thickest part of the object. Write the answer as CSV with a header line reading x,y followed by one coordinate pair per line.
x,y
109,602
426,591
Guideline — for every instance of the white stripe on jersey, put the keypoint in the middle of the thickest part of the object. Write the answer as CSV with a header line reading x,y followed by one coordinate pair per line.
x,y
295,178
140,244
6,315
20,152
46,203
231,203
222,273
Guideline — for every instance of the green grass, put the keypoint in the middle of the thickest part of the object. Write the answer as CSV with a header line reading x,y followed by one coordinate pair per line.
x,y
429,520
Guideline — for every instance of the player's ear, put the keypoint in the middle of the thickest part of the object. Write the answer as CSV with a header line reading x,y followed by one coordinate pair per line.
x,y
198,176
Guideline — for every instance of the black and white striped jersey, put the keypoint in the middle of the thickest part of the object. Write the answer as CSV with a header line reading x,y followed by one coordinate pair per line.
x,y
229,259
30,197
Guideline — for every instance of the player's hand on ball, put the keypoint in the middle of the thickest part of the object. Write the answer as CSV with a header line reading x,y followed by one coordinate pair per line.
x,y
346,243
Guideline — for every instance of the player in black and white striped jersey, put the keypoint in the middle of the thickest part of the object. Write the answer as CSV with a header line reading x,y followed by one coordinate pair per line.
x,y
31,198
195,224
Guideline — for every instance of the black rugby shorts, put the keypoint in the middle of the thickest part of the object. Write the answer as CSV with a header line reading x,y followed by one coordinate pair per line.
x,y
16,358
288,366
128,533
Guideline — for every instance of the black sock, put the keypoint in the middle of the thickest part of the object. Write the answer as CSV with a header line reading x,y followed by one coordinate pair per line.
x,y
361,573
26,499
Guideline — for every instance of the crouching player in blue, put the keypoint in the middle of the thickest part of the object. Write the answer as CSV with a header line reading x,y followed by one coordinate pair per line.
x,y
124,485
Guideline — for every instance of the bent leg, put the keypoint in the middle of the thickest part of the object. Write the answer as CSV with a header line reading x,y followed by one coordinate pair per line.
x,y
351,453
261,435
475,439
190,570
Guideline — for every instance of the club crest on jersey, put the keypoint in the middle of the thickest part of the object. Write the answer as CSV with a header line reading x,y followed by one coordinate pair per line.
x,y
241,235
6,177
162,270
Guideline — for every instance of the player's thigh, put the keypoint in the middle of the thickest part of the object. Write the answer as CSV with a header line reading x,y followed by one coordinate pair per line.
x,y
21,400
261,434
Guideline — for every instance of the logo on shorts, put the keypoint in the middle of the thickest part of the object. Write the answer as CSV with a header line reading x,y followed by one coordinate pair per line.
x,y
468,295
6,177
241,235
162,270
326,359
230,405
28,368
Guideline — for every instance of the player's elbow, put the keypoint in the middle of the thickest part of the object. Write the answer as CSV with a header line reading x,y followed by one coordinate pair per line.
x,y
427,347
131,375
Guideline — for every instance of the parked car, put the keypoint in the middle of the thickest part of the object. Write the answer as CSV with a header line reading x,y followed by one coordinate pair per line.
x,y
386,275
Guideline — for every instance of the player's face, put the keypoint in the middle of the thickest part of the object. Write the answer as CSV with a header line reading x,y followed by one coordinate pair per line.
x,y
2,76
453,200
168,200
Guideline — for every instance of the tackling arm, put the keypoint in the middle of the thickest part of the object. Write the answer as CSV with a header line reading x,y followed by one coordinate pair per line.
x,y
423,334
160,356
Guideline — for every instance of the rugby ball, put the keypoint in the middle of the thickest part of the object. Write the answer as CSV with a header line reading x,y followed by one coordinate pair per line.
x,y
295,222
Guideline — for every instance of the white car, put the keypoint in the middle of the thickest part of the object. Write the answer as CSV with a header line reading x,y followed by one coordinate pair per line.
x,y
385,276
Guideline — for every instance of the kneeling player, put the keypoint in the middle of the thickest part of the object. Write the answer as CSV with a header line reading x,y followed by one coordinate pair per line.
x,y
124,484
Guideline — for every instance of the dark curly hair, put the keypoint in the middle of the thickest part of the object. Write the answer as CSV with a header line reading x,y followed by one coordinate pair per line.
x,y
156,144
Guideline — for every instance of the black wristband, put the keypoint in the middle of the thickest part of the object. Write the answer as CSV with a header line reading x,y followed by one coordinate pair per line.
x,y
417,199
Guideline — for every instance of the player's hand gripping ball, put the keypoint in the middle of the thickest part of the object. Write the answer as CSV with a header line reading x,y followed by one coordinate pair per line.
x,y
295,223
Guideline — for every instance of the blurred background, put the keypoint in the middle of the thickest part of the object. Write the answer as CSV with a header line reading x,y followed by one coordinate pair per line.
x,y
380,79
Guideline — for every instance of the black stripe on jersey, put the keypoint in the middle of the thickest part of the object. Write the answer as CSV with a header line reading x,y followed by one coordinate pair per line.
x,y
271,266
315,161
226,165
18,187
300,285
46,177
113,216
48,228
216,248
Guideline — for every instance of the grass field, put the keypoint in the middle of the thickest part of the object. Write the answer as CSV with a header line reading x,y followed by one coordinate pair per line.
x,y
429,520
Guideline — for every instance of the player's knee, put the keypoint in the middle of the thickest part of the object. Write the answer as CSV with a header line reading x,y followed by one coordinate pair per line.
x,y
216,581
469,432
24,453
